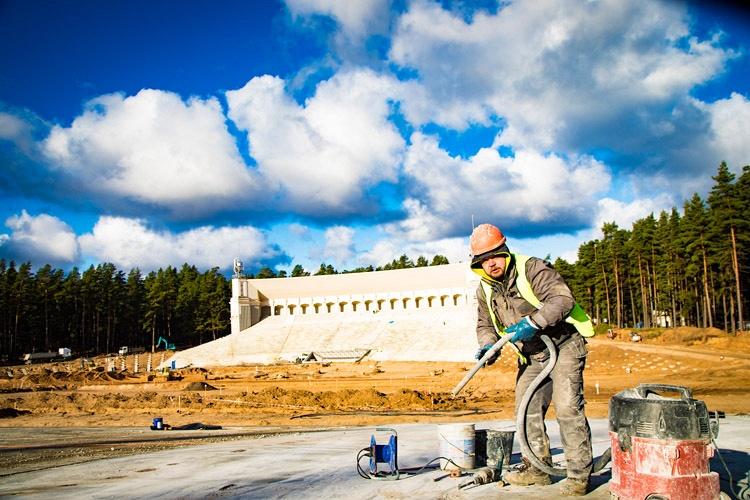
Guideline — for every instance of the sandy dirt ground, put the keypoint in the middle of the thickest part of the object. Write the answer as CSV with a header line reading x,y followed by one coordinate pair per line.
x,y
293,396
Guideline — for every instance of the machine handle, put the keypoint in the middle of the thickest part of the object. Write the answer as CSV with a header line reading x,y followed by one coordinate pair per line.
x,y
644,389
386,429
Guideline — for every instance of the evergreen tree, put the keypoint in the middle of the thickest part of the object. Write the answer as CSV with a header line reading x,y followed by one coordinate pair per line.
x,y
325,269
265,273
693,236
299,271
439,260
135,300
725,217
22,306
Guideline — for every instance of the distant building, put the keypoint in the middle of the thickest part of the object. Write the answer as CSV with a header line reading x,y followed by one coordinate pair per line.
x,y
421,289
417,314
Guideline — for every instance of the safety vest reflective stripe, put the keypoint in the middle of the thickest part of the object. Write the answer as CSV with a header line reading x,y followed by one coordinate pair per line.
x,y
488,297
577,316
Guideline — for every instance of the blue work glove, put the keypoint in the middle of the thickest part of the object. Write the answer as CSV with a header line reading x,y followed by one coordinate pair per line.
x,y
483,350
523,330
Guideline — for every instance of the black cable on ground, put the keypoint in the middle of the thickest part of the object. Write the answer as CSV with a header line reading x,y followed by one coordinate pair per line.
x,y
400,473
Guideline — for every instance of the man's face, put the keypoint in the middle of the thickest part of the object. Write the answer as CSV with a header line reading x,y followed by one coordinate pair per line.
x,y
494,266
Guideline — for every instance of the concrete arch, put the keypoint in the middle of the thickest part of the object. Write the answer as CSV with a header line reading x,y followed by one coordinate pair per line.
x,y
381,302
431,301
304,308
278,310
291,308
265,311
316,307
356,306
329,307
368,305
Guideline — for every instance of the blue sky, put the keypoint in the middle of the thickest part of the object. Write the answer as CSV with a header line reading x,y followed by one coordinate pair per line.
x,y
305,131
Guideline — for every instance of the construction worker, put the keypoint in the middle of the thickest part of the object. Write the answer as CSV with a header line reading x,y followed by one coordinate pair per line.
x,y
526,297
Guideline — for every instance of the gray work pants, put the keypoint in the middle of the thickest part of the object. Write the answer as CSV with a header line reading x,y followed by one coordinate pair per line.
x,y
564,388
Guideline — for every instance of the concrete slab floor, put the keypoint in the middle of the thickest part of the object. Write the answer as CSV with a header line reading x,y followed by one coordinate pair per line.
x,y
316,465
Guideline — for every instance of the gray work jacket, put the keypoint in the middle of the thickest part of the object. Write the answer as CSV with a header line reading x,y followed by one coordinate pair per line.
x,y
509,307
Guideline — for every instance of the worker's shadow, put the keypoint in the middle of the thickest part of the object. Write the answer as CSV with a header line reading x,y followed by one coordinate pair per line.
x,y
737,465
737,468
596,480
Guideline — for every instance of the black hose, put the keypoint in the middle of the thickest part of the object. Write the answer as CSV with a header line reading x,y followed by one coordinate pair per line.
x,y
398,474
526,450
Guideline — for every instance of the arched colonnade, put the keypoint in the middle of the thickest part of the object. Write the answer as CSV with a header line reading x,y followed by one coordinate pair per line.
x,y
367,304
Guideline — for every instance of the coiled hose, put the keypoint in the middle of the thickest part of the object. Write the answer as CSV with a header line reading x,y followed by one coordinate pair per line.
x,y
523,407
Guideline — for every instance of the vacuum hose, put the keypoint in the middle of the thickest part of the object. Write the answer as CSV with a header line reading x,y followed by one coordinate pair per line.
x,y
526,450
524,405
494,349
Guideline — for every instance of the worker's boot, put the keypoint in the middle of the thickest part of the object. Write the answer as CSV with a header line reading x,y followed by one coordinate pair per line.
x,y
527,475
572,487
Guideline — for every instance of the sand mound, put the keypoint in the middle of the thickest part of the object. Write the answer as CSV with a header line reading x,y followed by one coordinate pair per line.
x,y
199,386
12,412
686,335
356,399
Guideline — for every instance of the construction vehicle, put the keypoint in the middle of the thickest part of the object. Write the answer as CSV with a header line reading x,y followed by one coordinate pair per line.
x,y
40,357
168,346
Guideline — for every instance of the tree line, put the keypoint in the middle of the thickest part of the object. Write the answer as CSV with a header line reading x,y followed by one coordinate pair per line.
x,y
677,268
403,262
102,308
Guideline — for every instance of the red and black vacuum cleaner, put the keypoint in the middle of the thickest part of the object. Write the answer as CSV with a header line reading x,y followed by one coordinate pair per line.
x,y
661,446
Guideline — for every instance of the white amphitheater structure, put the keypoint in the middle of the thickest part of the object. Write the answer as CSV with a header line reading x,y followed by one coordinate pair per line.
x,y
417,314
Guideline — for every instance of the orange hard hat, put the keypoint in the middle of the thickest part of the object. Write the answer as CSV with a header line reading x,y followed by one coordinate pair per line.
x,y
485,238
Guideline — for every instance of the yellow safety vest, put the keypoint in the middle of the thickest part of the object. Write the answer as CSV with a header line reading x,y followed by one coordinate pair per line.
x,y
577,316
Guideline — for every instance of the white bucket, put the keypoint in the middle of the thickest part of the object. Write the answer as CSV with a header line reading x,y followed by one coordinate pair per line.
x,y
457,444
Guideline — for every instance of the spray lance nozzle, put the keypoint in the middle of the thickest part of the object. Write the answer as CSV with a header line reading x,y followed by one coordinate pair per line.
x,y
481,363
485,475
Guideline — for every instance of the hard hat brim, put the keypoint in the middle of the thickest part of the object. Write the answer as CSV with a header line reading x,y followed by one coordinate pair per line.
x,y
476,260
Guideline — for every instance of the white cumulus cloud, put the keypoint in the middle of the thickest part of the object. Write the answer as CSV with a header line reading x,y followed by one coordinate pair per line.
x,y
40,239
730,123
528,190
156,149
322,155
130,243
559,73
625,213
339,243
354,17
16,129
387,249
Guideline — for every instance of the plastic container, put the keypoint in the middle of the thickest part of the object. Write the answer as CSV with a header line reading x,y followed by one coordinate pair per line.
x,y
499,448
158,424
457,443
